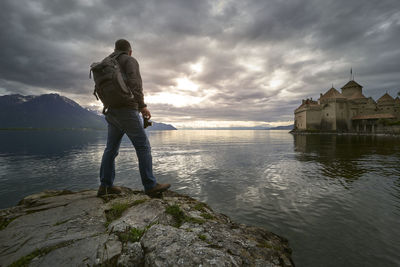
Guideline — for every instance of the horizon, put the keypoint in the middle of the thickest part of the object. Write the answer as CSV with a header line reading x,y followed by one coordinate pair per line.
x,y
229,63
98,112
215,125
212,125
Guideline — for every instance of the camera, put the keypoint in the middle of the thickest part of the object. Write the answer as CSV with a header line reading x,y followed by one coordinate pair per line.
x,y
147,123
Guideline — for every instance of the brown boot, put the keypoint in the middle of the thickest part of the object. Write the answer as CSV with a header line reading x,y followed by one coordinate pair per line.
x,y
159,188
106,190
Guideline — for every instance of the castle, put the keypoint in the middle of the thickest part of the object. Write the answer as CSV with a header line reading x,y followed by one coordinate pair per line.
x,y
348,111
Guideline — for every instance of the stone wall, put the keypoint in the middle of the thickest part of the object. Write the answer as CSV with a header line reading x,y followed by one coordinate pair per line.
x,y
313,119
328,115
341,115
300,119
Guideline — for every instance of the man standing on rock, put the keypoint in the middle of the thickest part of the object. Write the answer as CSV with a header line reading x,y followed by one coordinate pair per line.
x,y
125,119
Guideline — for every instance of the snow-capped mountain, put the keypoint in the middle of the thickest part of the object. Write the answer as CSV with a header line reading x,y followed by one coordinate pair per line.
x,y
45,111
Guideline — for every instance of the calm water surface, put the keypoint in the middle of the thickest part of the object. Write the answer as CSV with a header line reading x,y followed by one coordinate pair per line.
x,y
336,198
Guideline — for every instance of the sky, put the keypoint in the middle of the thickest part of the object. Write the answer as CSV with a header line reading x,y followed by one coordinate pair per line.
x,y
205,63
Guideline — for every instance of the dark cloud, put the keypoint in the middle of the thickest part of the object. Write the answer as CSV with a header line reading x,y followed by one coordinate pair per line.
x,y
258,58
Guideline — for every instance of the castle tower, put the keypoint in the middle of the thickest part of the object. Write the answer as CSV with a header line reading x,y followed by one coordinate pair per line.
x,y
351,88
334,111
397,107
386,104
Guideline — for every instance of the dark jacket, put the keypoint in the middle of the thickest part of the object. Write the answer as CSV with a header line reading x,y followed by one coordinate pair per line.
x,y
130,71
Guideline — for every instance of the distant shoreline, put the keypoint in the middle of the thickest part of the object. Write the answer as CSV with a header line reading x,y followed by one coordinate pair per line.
x,y
98,129
230,129
342,133
50,129
67,129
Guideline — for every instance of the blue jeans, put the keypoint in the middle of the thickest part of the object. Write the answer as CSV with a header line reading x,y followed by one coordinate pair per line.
x,y
126,121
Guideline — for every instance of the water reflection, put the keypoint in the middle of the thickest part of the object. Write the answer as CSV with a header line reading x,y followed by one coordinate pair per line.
x,y
217,166
32,161
55,142
344,156
336,198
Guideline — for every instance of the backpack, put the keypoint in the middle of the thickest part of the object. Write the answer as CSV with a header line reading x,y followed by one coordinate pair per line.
x,y
109,86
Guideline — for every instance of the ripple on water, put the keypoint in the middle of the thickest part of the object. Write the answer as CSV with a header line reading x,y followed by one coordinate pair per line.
x,y
336,198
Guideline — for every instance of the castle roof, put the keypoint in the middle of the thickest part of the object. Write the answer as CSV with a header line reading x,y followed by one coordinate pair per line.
x,y
385,97
357,95
350,84
308,103
332,94
397,100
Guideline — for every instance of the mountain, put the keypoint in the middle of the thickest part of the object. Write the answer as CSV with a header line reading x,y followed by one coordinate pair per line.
x,y
45,111
53,111
158,126
229,128
95,111
288,127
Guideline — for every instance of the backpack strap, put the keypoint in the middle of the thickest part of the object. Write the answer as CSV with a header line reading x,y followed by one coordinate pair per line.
x,y
115,55
95,93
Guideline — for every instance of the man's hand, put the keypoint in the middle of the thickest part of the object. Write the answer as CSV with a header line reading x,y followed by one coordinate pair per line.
x,y
146,113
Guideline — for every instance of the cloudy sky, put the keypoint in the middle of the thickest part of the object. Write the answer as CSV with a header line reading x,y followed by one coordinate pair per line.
x,y
205,63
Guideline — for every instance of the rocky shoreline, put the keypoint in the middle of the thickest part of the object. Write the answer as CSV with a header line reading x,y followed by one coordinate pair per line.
x,y
64,228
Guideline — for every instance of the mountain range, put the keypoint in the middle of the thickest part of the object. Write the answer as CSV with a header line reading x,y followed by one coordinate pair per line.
x,y
286,127
51,111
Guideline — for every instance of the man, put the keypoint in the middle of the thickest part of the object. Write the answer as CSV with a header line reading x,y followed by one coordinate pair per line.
x,y
125,119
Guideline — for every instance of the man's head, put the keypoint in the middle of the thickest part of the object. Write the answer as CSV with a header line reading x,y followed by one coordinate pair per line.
x,y
123,45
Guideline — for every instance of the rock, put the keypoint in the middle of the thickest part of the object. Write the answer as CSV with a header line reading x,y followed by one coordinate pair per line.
x,y
51,222
111,249
139,216
168,246
132,255
64,228
81,252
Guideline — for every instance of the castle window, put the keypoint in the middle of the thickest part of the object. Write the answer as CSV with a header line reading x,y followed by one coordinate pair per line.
x,y
327,114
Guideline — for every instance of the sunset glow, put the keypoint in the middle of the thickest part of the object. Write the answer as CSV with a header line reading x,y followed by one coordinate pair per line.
x,y
174,99
186,84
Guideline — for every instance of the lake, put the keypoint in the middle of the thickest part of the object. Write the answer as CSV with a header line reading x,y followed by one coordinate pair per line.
x,y
336,198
